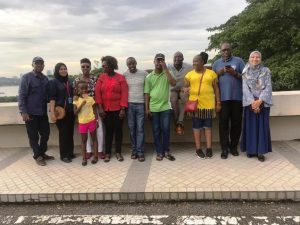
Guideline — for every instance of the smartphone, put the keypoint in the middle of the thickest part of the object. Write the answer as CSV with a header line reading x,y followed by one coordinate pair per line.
x,y
227,66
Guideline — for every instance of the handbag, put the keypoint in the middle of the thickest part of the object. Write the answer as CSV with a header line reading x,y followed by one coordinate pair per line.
x,y
191,105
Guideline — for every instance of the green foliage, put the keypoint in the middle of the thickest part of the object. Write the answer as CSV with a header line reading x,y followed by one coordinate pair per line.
x,y
271,27
8,99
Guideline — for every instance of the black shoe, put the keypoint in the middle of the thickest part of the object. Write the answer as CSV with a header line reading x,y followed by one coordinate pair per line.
x,y
170,157
224,154
209,153
234,152
40,161
261,158
66,160
251,155
200,154
48,157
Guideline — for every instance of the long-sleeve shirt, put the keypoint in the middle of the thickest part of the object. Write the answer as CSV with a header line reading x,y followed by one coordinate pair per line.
x,y
33,94
111,92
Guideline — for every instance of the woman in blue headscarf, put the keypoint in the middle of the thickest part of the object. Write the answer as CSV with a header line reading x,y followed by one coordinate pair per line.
x,y
257,100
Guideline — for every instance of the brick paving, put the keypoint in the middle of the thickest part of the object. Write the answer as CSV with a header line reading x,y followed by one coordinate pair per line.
x,y
187,178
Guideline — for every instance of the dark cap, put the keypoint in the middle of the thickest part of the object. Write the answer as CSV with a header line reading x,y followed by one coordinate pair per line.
x,y
159,56
37,58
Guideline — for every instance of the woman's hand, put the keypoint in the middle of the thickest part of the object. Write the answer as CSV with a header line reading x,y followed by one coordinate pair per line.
x,y
186,90
256,104
53,117
102,114
122,114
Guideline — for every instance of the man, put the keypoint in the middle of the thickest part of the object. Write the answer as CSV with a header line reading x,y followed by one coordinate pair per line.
x,y
229,69
33,108
136,108
178,69
158,108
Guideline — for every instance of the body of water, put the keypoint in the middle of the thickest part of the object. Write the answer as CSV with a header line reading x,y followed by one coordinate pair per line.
x,y
8,91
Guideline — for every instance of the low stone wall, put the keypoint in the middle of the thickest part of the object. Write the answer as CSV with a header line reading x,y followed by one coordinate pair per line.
x,y
284,122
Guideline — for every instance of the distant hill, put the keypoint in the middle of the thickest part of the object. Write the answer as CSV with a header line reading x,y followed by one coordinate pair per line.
x,y
5,81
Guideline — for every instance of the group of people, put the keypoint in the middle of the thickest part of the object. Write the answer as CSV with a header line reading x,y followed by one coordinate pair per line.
x,y
101,103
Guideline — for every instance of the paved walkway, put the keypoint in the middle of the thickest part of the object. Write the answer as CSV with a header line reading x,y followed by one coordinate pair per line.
x,y
187,178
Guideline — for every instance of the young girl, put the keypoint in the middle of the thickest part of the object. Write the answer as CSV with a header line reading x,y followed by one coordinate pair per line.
x,y
201,84
85,108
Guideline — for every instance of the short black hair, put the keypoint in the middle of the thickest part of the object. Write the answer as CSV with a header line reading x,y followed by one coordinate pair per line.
x,y
85,60
204,56
111,61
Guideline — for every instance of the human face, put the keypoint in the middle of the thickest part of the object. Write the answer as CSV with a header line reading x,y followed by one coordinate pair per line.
x,y
38,66
178,60
85,68
198,63
131,64
63,71
157,63
106,68
255,59
226,51
82,88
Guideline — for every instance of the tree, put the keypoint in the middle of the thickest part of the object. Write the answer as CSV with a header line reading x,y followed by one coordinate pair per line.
x,y
271,27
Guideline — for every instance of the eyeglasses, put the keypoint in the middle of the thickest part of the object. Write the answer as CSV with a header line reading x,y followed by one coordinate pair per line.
x,y
87,67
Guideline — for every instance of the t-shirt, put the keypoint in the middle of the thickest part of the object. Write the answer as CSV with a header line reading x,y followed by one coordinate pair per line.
x,y
179,75
86,114
158,88
135,83
206,99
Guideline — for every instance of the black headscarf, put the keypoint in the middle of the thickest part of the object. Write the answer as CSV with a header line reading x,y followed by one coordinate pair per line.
x,y
56,73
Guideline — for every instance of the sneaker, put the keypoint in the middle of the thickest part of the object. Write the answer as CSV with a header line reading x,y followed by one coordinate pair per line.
x,y
101,155
48,157
200,154
170,157
209,153
40,161
179,129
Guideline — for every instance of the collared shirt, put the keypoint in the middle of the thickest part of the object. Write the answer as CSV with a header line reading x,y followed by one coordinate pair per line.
x,y
135,83
33,94
230,86
179,75
158,88
111,92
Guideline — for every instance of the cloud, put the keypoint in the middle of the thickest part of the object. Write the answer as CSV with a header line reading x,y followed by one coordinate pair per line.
x,y
70,30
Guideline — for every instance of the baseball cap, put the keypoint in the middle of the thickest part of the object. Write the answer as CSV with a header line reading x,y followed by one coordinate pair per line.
x,y
37,58
159,56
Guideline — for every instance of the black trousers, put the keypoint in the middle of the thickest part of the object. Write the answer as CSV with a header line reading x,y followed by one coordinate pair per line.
x,y
38,132
66,135
113,127
230,124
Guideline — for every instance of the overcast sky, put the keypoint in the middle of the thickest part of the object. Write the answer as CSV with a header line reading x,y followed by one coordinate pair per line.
x,y
68,30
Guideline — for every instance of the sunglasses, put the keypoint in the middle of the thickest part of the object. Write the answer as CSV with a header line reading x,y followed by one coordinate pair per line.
x,y
87,67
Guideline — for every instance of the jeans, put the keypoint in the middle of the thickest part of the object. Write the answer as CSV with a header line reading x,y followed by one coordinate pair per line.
x,y
161,131
178,100
38,131
230,124
136,116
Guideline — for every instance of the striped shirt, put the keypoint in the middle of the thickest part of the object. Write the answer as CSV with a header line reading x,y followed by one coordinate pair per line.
x,y
135,83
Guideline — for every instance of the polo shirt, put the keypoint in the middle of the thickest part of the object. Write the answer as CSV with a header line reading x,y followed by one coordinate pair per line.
x,y
158,88
230,86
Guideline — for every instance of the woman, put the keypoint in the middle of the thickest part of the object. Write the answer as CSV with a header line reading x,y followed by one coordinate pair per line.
x,y
111,95
61,94
257,100
202,85
91,81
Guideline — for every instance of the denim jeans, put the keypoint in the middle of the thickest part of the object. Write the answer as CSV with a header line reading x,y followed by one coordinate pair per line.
x,y
161,131
136,116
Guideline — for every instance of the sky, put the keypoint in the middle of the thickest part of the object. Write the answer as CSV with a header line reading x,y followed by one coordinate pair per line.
x,y
68,30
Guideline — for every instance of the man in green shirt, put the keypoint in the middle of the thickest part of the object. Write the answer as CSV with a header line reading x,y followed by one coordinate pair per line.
x,y
158,106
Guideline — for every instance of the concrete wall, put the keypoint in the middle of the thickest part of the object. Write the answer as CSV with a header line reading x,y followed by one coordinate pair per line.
x,y
284,122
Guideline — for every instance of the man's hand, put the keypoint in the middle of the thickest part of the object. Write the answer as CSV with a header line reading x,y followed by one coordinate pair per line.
x,y
230,70
218,107
148,114
163,64
53,117
221,71
25,117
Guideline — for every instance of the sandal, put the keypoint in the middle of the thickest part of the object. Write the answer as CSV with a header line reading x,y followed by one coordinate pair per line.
x,y
133,156
119,157
159,157
84,162
94,160
141,158
107,158
170,157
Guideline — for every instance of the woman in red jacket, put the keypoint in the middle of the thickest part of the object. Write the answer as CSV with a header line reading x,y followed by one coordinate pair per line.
x,y
111,95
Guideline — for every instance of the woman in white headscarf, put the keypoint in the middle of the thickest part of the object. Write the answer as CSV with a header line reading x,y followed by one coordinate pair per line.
x,y
257,100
